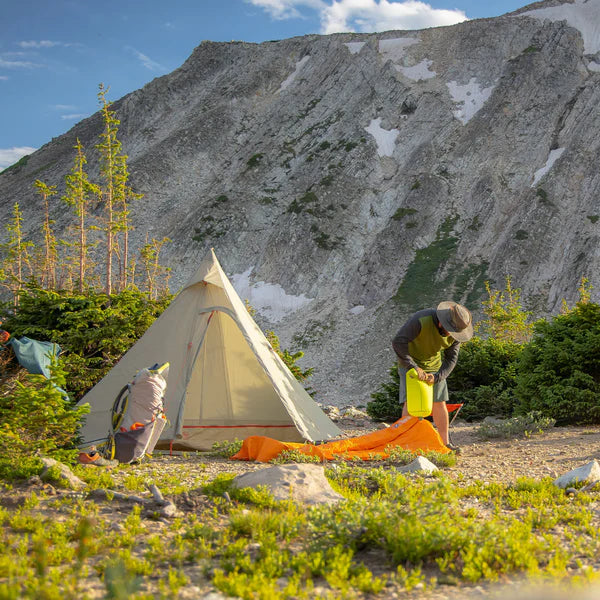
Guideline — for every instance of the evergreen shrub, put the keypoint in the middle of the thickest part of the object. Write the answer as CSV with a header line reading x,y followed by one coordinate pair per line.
x,y
37,419
93,330
385,405
559,370
485,377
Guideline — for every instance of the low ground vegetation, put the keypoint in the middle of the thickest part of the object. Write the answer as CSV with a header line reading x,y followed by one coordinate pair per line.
x,y
394,534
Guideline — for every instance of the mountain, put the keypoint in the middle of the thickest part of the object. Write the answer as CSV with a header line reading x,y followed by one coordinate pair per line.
x,y
347,180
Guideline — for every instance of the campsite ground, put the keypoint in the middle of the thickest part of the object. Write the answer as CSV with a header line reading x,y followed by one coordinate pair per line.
x,y
550,454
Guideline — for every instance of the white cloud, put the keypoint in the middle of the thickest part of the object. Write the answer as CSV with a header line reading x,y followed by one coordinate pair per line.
x,y
9,156
364,15
17,64
64,107
286,9
150,64
39,44
3,78
73,116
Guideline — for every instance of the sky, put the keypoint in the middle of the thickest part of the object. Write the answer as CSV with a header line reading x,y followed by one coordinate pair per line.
x,y
55,53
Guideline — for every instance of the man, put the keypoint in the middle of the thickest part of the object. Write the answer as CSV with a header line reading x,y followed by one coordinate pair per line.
x,y
429,342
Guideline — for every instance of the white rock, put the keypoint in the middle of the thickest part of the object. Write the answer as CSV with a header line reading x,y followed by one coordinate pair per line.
x,y
588,472
305,483
419,465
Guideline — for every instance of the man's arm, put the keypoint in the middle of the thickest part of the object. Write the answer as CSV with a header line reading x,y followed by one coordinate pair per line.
x,y
448,363
407,333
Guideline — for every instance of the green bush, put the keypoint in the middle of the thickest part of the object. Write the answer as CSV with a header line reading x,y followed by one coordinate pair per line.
x,y
37,419
485,377
385,405
559,370
521,425
94,330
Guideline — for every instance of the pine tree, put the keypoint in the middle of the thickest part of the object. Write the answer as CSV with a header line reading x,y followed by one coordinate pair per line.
x,y
18,259
124,195
112,172
79,190
50,258
149,254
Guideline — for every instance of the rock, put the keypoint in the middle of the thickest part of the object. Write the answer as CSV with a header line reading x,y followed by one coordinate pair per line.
x,y
217,596
305,483
59,474
351,412
419,465
169,511
589,472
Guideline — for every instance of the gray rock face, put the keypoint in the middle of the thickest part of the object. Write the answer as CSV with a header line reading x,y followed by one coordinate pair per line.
x,y
348,180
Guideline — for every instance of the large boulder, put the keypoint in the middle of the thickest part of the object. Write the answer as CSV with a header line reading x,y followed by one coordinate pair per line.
x,y
304,483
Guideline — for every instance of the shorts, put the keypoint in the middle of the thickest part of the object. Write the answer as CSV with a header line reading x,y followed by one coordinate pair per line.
x,y
440,390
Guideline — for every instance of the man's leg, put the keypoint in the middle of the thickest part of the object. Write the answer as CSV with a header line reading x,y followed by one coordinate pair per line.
x,y
402,389
440,418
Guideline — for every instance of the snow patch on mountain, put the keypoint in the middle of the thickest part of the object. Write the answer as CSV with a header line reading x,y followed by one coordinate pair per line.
x,y
583,15
269,300
469,98
293,76
418,72
552,158
385,139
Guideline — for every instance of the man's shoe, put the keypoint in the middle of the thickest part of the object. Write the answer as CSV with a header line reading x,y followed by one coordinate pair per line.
x,y
453,448
95,459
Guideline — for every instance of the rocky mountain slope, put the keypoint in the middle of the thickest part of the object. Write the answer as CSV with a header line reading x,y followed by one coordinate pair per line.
x,y
347,180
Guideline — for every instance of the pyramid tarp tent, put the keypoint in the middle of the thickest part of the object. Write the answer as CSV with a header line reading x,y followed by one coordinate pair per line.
x,y
225,381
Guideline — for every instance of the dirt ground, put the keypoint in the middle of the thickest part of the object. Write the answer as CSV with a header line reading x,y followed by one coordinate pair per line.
x,y
549,454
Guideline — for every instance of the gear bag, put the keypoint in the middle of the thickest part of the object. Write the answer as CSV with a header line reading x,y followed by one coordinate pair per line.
x,y
138,416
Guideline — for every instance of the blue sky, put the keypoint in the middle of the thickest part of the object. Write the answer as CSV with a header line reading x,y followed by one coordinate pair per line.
x,y
55,53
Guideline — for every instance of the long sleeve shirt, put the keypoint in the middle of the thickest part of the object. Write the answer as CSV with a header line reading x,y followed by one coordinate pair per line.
x,y
419,343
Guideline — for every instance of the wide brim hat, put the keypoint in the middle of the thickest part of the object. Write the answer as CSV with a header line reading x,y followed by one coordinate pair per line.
x,y
456,320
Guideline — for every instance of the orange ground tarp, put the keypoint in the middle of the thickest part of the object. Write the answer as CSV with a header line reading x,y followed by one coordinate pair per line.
x,y
408,432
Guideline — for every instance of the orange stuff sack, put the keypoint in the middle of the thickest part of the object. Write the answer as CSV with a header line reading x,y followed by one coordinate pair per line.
x,y
409,433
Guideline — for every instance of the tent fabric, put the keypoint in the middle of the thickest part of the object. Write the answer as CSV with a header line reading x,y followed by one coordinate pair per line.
x,y
225,379
409,433
35,356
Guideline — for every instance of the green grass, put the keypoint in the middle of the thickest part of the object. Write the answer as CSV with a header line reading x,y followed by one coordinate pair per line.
x,y
393,533
403,212
423,283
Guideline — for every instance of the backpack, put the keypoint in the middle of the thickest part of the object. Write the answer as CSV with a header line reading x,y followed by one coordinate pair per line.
x,y
137,416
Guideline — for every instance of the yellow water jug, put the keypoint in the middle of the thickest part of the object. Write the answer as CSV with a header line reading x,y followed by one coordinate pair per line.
x,y
419,395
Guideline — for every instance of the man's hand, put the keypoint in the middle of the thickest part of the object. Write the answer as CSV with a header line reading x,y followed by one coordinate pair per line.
x,y
423,376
